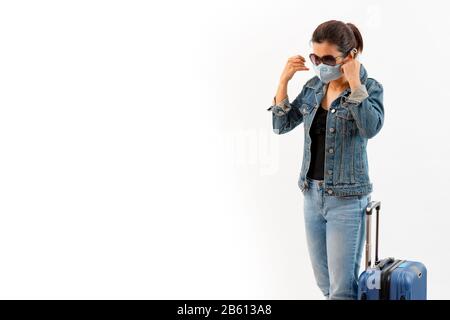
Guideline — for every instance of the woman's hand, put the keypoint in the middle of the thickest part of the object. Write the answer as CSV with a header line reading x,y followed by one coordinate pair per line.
x,y
294,64
351,71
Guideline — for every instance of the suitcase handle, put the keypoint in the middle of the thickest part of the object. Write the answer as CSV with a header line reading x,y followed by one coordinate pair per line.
x,y
369,209
380,265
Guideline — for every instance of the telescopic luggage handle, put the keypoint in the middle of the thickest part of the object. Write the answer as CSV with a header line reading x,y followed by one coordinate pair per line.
x,y
369,209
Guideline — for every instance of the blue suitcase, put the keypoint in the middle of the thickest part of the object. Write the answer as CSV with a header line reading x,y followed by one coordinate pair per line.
x,y
389,279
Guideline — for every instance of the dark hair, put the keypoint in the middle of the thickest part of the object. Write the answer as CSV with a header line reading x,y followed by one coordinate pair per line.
x,y
345,36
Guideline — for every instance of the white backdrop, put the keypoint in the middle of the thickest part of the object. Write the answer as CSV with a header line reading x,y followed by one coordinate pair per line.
x,y
138,158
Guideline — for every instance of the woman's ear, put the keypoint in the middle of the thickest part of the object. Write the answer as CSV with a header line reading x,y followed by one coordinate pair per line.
x,y
347,58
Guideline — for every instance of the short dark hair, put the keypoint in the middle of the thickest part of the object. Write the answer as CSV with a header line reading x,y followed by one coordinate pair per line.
x,y
345,36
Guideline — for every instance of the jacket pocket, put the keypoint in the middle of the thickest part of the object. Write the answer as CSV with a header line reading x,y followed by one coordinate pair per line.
x,y
344,113
345,121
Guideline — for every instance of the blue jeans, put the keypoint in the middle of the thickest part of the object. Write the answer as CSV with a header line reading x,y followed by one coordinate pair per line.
x,y
335,232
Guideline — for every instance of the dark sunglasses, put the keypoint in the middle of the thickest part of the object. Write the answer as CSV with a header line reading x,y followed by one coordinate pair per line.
x,y
328,59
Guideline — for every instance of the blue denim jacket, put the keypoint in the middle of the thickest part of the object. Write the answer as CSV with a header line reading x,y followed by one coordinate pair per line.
x,y
352,119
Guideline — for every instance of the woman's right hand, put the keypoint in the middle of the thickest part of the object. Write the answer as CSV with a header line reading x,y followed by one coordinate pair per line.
x,y
294,64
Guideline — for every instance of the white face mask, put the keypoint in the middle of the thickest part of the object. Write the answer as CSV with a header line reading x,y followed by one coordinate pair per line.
x,y
328,73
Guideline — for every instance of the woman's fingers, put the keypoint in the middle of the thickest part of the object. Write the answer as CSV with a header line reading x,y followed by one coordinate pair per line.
x,y
297,58
299,65
294,64
301,68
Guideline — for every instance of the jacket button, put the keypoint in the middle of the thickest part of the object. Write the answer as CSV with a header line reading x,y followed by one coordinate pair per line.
x,y
330,172
330,191
331,129
330,150
333,110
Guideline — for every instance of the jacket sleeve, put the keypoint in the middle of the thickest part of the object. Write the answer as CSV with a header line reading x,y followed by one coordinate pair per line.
x,y
286,115
366,106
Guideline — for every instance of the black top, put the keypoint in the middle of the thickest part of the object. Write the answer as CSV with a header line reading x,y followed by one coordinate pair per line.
x,y
317,134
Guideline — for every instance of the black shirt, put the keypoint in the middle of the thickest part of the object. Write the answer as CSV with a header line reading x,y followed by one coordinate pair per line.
x,y
317,134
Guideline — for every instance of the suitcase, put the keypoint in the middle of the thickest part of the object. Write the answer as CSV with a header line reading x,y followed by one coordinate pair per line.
x,y
389,278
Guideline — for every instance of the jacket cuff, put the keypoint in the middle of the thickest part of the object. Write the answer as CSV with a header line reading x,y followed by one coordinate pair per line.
x,y
358,95
280,108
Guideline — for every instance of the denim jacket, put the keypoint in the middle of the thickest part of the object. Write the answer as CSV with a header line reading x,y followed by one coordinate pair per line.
x,y
352,119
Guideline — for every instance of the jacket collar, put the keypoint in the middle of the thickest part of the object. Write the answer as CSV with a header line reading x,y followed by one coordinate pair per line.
x,y
318,85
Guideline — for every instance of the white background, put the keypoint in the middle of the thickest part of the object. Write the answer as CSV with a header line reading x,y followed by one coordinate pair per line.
x,y
137,158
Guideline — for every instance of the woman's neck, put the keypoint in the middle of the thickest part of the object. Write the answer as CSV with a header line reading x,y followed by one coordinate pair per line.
x,y
339,84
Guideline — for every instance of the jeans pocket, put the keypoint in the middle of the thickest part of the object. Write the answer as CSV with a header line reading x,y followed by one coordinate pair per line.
x,y
351,197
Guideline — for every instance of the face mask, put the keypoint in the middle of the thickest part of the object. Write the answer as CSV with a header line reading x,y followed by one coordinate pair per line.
x,y
327,73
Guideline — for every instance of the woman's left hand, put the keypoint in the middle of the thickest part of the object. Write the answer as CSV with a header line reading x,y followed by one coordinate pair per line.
x,y
351,71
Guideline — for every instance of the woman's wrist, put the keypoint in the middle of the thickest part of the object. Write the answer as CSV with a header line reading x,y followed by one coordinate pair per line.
x,y
283,82
355,84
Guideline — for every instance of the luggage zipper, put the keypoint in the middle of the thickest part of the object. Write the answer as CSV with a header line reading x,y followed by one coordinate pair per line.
x,y
386,279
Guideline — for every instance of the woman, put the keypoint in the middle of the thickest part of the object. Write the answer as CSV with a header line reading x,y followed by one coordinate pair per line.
x,y
341,108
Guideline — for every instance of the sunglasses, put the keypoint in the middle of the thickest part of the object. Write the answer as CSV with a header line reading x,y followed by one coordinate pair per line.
x,y
328,59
